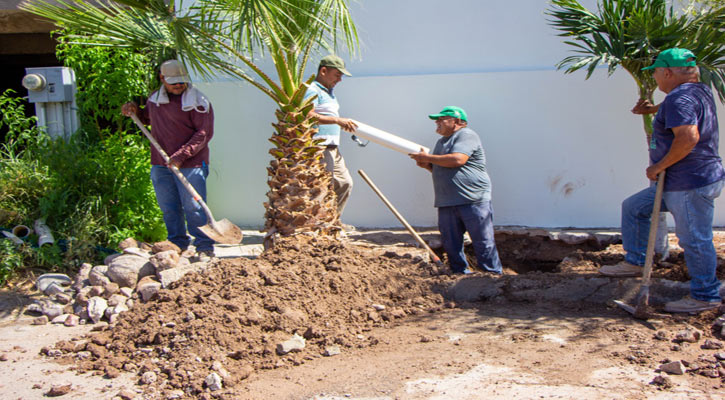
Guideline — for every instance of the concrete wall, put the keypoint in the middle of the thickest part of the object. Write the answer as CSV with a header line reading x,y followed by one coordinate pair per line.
x,y
562,151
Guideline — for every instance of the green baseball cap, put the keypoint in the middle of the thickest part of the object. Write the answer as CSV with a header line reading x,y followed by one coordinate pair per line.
x,y
674,57
451,111
334,62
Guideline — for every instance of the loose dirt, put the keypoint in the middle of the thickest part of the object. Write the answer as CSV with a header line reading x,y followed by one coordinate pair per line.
x,y
376,301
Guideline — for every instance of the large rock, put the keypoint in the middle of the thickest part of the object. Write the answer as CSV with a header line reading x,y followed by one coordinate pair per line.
x,y
158,247
96,308
126,270
147,288
170,276
97,276
135,251
165,260
673,368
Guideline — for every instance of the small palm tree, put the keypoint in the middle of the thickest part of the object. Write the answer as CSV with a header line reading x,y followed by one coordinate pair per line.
x,y
222,36
630,33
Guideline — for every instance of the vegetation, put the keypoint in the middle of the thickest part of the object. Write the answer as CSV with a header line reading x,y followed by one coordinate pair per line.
x,y
93,190
630,34
225,36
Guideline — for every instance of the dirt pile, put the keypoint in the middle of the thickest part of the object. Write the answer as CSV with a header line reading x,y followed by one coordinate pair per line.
x,y
233,318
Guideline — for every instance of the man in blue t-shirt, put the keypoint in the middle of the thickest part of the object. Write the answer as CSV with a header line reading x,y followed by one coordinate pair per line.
x,y
462,191
685,144
329,74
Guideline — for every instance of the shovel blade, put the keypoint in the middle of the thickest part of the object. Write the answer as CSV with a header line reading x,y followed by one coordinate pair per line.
x,y
223,232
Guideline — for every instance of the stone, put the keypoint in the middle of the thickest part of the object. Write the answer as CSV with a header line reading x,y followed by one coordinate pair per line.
x,y
158,247
662,380
135,251
97,276
52,310
126,291
164,260
673,368
42,320
115,310
712,345
573,237
148,378
170,276
109,259
72,320
295,343
96,308
117,299
58,390
219,367
148,288
331,351
110,289
175,394
720,355
688,335
45,280
52,289
81,278
144,246
720,321
126,394
59,319
378,307
127,269
128,242
95,291
213,381
607,238
63,298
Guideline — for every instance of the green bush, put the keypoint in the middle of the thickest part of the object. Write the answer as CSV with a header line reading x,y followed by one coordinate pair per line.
x,y
93,190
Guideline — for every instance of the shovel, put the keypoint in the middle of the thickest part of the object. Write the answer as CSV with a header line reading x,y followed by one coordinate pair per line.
x,y
643,310
220,231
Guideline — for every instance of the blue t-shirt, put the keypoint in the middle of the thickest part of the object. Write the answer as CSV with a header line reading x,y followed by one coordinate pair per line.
x,y
688,104
468,183
325,104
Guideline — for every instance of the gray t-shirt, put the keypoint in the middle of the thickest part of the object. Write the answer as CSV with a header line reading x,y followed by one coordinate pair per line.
x,y
468,183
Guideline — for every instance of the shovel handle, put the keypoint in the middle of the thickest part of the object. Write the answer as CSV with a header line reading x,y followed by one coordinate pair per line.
x,y
179,175
654,220
433,256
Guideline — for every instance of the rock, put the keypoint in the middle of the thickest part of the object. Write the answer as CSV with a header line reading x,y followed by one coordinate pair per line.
x,y
378,307
81,279
126,270
219,367
607,238
110,289
45,280
296,343
720,356
144,246
52,289
158,247
63,298
688,335
331,351
58,390
165,260
126,394
126,291
96,308
175,394
662,380
172,275
673,368
115,310
72,320
59,319
109,259
213,381
570,237
95,291
135,251
128,242
42,320
148,287
712,345
148,378
97,276
117,299
52,310
720,321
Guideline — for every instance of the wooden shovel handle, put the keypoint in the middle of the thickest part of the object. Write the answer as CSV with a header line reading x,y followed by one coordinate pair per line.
x,y
654,220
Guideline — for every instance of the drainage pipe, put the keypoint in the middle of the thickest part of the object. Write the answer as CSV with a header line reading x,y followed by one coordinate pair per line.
x,y
44,234
21,231
388,139
12,237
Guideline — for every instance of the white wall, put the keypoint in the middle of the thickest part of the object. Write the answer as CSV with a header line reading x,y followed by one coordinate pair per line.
x,y
562,151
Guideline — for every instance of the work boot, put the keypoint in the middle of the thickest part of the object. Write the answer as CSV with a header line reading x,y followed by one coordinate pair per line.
x,y
622,269
203,256
689,305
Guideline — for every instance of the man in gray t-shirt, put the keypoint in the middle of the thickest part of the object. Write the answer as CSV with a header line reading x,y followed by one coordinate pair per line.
x,y
462,191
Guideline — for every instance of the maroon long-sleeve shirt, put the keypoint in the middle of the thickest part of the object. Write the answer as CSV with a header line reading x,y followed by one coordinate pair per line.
x,y
184,135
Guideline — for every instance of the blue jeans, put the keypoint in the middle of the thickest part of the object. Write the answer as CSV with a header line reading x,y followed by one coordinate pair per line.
x,y
693,211
477,219
179,208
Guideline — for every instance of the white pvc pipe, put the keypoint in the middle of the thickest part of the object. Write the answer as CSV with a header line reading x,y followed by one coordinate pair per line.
x,y
21,231
44,235
388,139
12,237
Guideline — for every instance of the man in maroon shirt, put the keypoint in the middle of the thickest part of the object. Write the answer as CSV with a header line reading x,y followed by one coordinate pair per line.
x,y
182,121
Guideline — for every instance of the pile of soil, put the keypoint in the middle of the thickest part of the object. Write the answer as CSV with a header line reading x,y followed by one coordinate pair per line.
x,y
231,319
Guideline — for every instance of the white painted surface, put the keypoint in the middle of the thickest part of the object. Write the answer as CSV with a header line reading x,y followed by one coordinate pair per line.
x,y
561,151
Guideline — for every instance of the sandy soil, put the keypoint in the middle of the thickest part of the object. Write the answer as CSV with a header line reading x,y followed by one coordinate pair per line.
x,y
377,301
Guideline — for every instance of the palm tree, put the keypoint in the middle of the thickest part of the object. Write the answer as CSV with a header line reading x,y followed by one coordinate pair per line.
x,y
223,36
630,33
